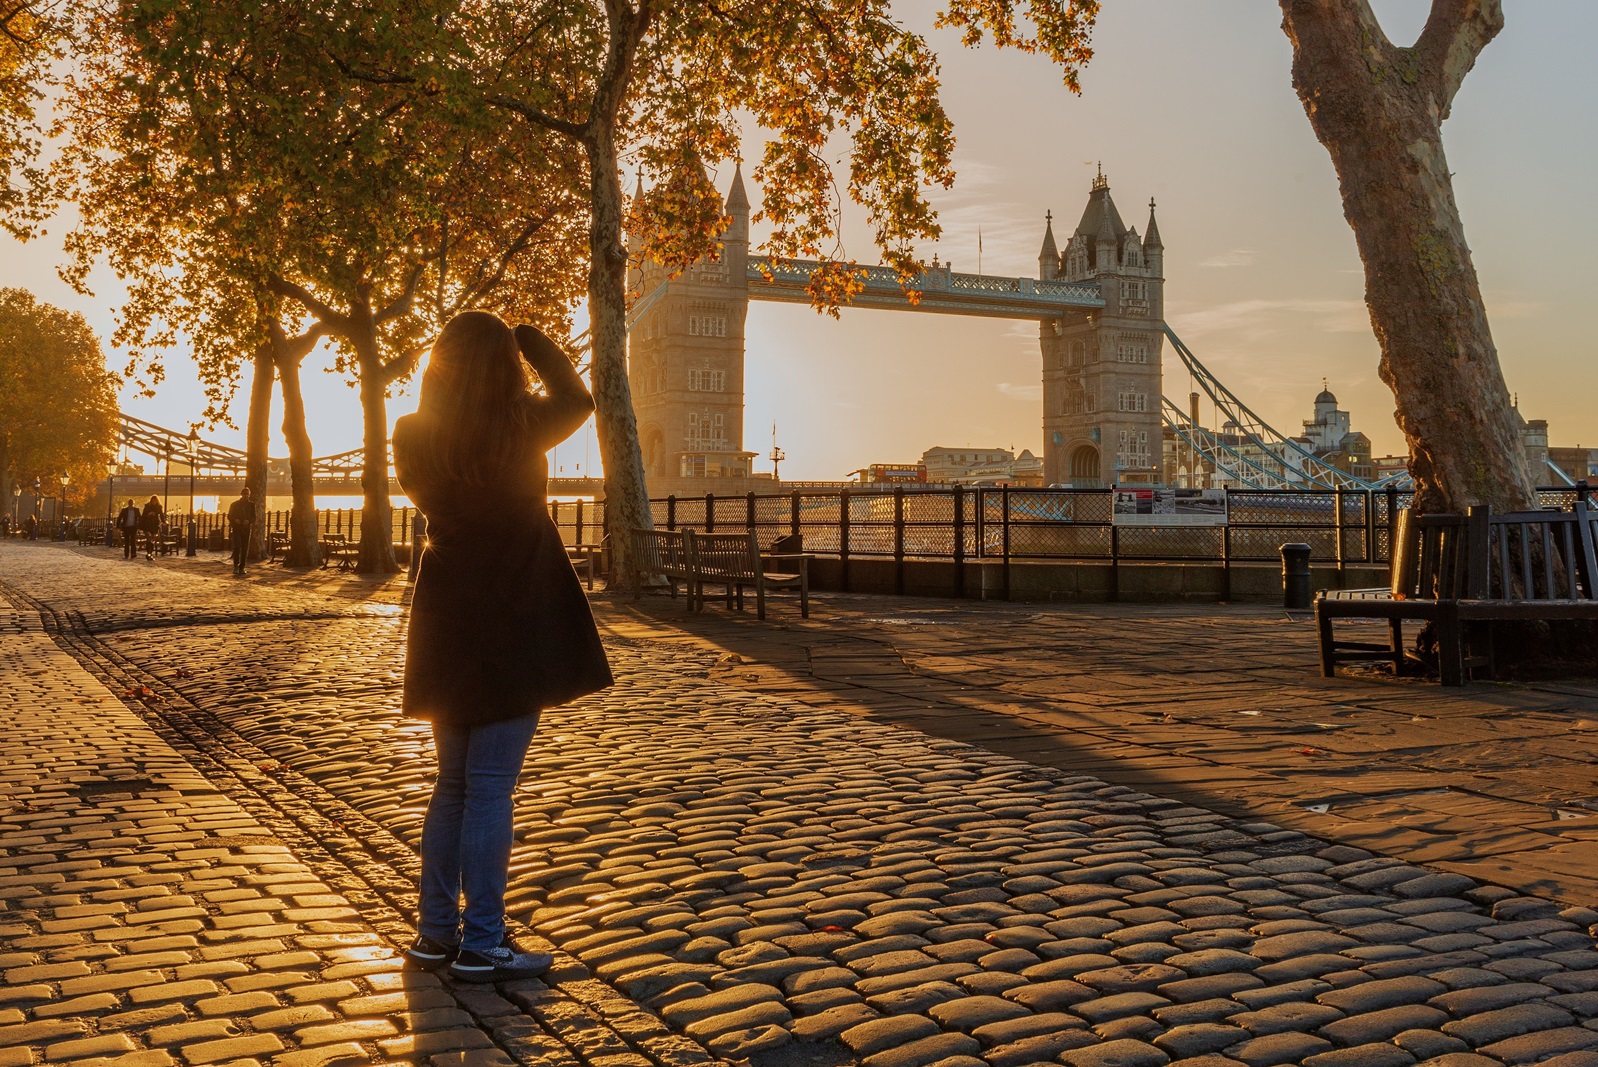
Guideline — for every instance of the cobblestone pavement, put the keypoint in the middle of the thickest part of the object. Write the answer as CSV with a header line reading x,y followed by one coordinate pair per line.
x,y
798,884
1222,707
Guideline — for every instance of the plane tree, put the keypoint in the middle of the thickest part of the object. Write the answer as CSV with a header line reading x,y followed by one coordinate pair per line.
x,y
846,96
58,403
299,189
1378,108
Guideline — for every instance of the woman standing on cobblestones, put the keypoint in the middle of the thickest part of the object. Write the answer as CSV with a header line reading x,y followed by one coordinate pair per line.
x,y
499,626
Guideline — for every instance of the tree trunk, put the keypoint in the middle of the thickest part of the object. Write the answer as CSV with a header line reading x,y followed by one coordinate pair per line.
x,y
305,549
626,492
1378,109
377,539
256,435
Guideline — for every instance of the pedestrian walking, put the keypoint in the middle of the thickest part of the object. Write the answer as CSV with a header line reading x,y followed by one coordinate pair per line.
x,y
30,527
241,526
150,522
499,626
128,527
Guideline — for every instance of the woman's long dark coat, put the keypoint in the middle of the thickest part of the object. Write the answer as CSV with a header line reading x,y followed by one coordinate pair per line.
x,y
499,625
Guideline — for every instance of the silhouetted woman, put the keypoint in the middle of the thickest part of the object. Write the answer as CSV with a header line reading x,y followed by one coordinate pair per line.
x,y
499,626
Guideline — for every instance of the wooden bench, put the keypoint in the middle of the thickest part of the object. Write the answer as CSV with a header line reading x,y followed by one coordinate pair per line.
x,y
1460,572
663,553
733,561
340,551
585,560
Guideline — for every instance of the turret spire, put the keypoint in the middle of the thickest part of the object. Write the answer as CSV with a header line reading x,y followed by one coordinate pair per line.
x,y
737,199
1151,235
1050,252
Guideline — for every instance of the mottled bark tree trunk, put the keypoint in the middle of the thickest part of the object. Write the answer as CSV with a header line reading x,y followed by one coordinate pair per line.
x,y
1378,109
257,432
626,491
377,539
305,548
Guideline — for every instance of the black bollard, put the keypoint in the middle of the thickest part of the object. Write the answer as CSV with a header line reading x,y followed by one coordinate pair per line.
x,y
1295,577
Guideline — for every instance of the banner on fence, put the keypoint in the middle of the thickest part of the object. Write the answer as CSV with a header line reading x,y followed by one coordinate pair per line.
x,y
1170,507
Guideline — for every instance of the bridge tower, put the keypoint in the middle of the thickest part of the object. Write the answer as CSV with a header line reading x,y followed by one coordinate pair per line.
x,y
686,363
1101,373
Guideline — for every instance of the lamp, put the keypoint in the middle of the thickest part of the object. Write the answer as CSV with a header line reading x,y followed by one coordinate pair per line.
x,y
61,527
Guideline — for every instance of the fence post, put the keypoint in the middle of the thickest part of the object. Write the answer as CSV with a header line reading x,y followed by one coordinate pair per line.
x,y
749,512
1004,519
982,523
1226,554
898,539
671,512
1370,526
843,540
579,539
959,541
710,512
405,526
1581,491
793,518
1342,564
1392,521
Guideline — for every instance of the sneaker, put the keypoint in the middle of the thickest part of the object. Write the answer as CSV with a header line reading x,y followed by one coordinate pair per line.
x,y
430,955
499,965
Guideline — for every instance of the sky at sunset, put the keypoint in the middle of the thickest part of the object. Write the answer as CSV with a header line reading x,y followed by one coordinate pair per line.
x,y
1190,103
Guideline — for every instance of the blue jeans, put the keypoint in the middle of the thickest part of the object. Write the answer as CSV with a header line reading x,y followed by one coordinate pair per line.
x,y
466,837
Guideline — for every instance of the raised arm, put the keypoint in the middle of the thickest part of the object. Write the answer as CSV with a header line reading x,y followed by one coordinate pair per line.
x,y
567,402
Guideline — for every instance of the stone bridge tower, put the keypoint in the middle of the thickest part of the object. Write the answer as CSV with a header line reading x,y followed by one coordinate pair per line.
x,y
1101,373
686,365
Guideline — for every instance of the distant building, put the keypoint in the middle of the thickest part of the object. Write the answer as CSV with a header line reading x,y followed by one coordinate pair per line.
x,y
1329,437
1390,466
1579,464
892,474
982,466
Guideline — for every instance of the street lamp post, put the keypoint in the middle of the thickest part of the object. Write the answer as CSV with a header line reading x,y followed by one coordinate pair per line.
x,y
60,522
38,506
194,440
110,510
16,506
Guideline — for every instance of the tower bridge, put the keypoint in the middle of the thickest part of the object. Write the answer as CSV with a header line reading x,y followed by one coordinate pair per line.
x,y
1099,306
1098,299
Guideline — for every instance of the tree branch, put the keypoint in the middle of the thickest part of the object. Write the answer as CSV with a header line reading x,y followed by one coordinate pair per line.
x,y
1455,34
537,117
401,364
324,314
401,305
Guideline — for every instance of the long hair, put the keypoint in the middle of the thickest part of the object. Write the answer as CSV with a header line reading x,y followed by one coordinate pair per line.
x,y
473,406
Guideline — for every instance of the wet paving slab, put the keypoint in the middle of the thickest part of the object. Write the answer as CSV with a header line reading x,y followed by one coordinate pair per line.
x,y
784,881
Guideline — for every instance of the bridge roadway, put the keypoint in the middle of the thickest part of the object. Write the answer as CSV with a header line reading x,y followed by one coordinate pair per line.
x,y
941,290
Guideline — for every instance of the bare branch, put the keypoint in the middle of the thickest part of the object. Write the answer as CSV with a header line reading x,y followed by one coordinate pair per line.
x,y
538,118
401,305
1455,34
324,314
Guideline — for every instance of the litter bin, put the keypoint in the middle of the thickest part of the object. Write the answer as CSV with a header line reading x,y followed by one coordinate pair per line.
x,y
1295,577
216,541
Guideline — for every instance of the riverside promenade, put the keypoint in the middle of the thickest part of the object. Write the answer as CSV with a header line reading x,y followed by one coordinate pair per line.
x,y
900,833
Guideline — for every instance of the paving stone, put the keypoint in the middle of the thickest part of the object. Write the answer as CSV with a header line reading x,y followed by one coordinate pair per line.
x,y
1471,1001
1373,1026
1122,1053
1214,985
1383,993
832,1022
1287,1016
924,1051
969,1013
1487,1027
1538,1046
1103,1009
1050,995
1287,1047
875,1035
1197,1039
1424,1044
1375,1055
1040,1049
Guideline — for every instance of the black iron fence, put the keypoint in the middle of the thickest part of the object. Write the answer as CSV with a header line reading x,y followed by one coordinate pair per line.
x,y
1342,527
